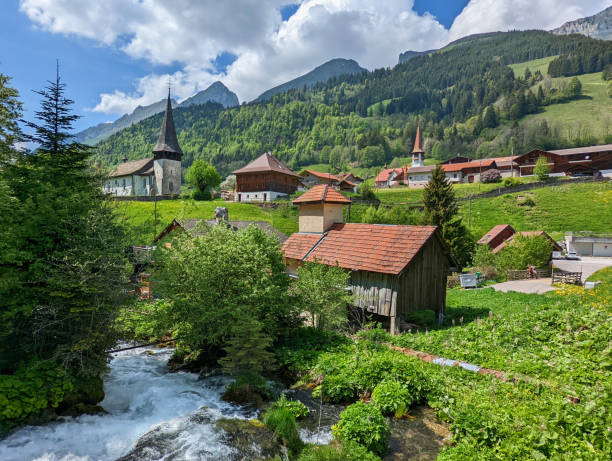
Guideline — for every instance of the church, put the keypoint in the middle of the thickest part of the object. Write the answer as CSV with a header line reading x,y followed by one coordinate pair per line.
x,y
159,175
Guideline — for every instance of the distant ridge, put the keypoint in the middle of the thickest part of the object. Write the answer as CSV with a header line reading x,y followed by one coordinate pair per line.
x,y
322,73
408,55
217,92
596,26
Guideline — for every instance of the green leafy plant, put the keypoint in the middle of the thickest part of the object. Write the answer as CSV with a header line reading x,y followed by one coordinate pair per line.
x,y
345,451
541,169
365,425
392,398
295,407
283,423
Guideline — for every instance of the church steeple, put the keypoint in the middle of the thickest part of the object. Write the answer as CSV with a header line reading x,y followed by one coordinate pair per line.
x,y
417,153
167,145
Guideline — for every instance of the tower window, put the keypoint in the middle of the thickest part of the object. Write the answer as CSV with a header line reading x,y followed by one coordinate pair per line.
x,y
170,186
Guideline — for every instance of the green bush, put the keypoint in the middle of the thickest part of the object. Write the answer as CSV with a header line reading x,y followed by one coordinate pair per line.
x,y
377,335
248,388
295,407
283,423
524,251
392,398
526,201
31,389
365,425
511,182
347,451
425,317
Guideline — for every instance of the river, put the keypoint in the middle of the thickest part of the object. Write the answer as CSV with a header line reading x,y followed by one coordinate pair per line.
x,y
141,397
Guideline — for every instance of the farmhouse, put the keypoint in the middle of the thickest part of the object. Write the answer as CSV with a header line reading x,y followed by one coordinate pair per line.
x,y
502,234
580,161
394,269
265,179
157,175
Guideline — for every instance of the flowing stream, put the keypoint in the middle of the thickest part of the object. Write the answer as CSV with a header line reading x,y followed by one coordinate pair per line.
x,y
141,398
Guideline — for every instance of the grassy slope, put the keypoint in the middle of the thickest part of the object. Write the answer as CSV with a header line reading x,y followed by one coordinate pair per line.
x,y
534,65
559,208
140,215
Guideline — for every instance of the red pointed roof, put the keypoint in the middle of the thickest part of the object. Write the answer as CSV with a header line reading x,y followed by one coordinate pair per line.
x,y
322,193
319,174
417,142
266,162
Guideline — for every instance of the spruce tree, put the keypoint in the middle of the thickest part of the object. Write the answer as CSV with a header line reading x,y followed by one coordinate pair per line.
x,y
441,210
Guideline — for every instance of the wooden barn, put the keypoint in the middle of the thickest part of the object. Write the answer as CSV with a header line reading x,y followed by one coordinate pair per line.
x,y
394,269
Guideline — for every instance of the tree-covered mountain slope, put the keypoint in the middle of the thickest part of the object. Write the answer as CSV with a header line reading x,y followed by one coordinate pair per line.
x,y
464,96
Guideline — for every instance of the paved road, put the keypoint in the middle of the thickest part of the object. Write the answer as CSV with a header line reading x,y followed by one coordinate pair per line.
x,y
586,264
537,286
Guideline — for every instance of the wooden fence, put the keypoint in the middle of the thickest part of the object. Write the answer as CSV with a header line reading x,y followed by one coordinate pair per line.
x,y
526,275
574,278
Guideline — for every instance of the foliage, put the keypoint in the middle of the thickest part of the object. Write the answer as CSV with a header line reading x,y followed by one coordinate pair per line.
x,y
295,407
491,175
441,210
64,264
365,425
10,111
320,290
524,251
345,451
203,176
392,398
366,192
511,182
247,347
141,320
219,279
282,422
33,387
484,256
606,74
541,168
247,389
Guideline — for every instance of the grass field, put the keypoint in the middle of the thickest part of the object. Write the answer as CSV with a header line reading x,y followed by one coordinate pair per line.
x,y
559,208
592,113
534,65
139,216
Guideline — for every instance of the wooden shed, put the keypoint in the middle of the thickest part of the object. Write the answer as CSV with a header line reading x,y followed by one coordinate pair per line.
x,y
394,269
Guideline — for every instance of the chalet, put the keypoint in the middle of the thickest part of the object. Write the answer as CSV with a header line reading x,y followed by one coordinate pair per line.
x,y
580,161
390,177
502,234
312,178
394,269
264,180
351,177
157,175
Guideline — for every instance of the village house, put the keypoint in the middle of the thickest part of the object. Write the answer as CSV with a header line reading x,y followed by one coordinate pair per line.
x,y
579,161
265,179
394,269
157,175
342,181
502,234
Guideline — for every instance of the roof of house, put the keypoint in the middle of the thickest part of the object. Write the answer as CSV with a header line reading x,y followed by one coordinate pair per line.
x,y
421,169
494,233
322,193
167,141
368,247
484,163
346,181
384,174
537,233
266,162
197,227
319,174
417,142
458,159
583,150
143,166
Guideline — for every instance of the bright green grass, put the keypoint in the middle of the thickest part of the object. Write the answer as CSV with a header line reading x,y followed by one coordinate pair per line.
x,y
139,216
593,112
559,208
603,275
321,167
536,64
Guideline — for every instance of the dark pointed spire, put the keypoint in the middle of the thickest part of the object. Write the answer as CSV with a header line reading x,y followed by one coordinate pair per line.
x,y
417,141
167,142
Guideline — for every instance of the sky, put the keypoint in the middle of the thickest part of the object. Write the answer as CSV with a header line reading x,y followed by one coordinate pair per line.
x,y
117,54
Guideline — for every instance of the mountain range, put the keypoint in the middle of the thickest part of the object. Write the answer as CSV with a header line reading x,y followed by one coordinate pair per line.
x,y
596,26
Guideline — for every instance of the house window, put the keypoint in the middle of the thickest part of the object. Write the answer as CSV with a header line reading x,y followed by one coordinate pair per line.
x,y
123,182
170,186
455,175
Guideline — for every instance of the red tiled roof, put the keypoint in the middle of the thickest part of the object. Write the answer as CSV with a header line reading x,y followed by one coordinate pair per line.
x,y
322,193
298,245
367,247
266,162
384,174
484,163
494,233
321,175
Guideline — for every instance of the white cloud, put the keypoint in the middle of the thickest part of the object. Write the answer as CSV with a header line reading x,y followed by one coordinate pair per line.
x,y
271,51
502,15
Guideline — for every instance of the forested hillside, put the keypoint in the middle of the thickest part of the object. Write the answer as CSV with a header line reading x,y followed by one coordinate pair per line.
x,y
464,95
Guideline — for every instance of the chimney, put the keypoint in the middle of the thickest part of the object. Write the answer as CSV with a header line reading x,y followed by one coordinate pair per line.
x,y
320,208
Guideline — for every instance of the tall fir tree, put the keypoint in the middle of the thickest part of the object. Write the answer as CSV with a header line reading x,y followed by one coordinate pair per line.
x,y
441,210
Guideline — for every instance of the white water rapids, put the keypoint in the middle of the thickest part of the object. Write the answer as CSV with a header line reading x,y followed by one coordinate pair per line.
x,y
141,396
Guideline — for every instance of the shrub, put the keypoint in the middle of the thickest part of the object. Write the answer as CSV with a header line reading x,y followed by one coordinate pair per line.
x,y
392,398
347,451
491,175
295,407
526,201
511,182
248,388
541,169
366,192
524,251
365,425
426,317
282,422
377,335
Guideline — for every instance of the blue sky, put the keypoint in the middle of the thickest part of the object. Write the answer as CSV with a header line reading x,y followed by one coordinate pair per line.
x,y
113,75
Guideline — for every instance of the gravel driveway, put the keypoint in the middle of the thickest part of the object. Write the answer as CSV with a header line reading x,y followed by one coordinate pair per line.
x,y
586,264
